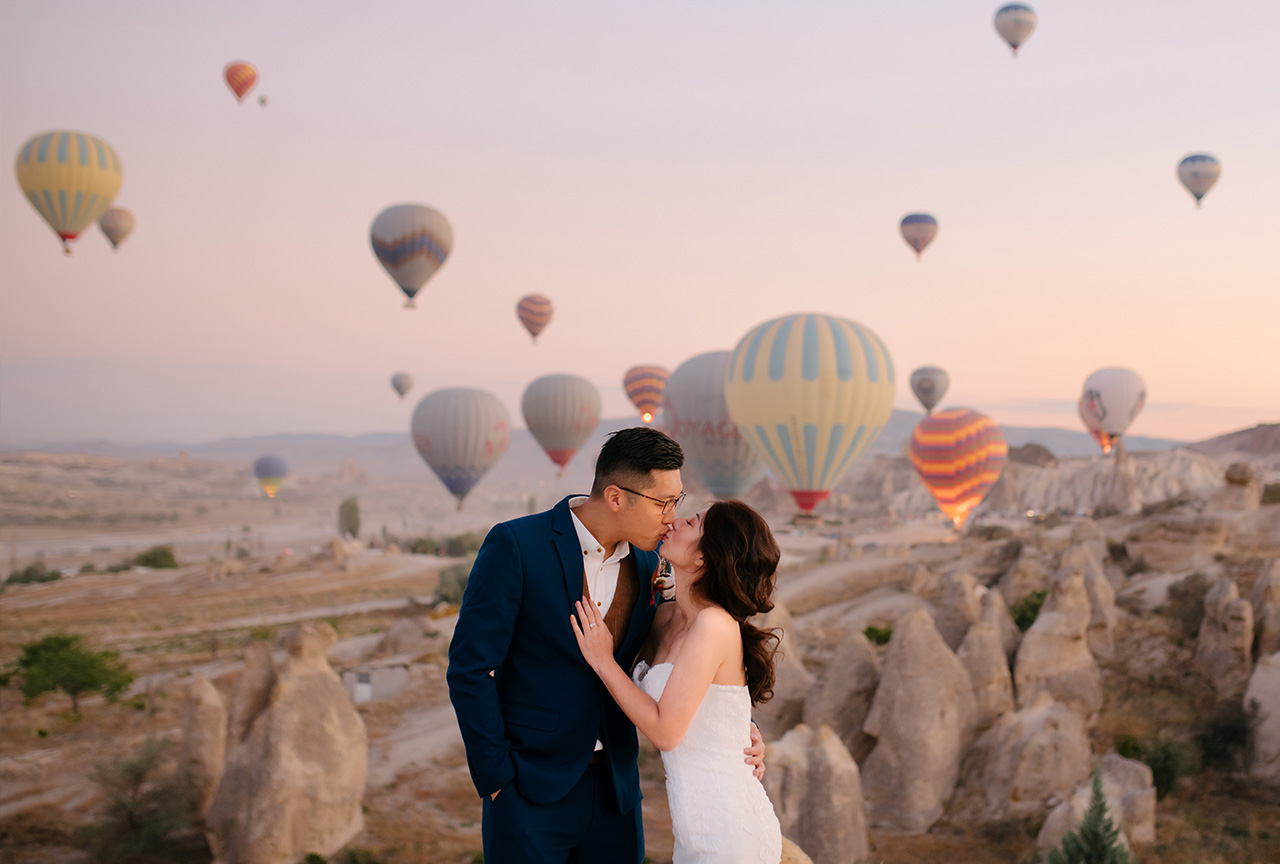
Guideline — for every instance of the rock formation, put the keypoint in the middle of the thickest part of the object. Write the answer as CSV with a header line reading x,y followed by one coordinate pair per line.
x,y
295,775
204,739
1224,648
816,791
1264,738
1102,598
843,697
793,854
995,613
1054,656
252,691
922,718
1178,541
1028,761
984,659
1242,494
956,607
1028,575
1265,600
1131,802
793,682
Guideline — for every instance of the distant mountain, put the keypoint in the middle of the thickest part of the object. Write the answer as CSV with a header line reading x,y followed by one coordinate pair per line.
x,y
1261,440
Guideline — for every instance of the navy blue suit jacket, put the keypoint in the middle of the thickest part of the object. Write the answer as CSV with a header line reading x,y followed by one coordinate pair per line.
x,y
536,720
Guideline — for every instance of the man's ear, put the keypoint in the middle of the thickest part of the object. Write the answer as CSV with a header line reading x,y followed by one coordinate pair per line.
x,y
613,498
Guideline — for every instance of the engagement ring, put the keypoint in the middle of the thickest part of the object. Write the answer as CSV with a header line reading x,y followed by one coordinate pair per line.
x,y
591,623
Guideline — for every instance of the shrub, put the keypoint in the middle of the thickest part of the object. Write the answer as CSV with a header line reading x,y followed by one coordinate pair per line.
x,y
453,581
263,633
60,662
1167,759
87,568
1271,493
1186,603
461,545
361,856
157,558
424,546
313,858
349,517
149,816
878,635
1224,735
1026,610
33,574
1097,839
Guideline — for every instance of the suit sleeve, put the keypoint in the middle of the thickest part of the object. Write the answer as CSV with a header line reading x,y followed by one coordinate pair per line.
x,y
480,643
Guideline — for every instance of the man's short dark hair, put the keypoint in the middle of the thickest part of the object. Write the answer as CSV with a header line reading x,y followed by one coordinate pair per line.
x,y
629,455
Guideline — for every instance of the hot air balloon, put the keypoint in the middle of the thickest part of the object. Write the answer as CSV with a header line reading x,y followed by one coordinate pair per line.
x,y
930,384
1112,398
918,229
460,433
644,386
1105,441
70,178
412,242
116,224
561,412
959,455
240,77
1015,23
811,393
698,418
535,313
402,383
270,471
1198,172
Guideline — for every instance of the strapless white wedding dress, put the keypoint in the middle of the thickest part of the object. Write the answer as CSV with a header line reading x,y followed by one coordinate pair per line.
x,y
719,811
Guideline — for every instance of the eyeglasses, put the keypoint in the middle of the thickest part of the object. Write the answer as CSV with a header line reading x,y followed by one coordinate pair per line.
x,y
668,506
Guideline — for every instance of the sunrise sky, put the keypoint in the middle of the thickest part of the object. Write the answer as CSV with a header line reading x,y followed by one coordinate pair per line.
x,y
669,173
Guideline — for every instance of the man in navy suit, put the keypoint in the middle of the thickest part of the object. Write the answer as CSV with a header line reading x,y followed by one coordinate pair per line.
x,y
551,754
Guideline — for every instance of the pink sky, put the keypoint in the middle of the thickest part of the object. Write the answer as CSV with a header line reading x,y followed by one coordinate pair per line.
x,y
670,173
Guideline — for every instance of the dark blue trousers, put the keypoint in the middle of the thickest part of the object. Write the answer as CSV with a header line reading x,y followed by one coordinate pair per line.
x,y
583,827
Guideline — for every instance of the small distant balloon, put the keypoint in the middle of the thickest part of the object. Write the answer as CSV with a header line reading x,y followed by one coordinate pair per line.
x,y
70,178
1105,441
460,433
241,77
919,229
116,224
270,471
959,455
411,241
644,386
402,383
561,412
1198,172
1112,398
535,313
1015,23
930,384
262,101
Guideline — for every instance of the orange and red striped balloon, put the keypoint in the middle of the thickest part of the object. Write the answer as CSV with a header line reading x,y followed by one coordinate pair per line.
x,y
240,77
959,455
644,386
535,313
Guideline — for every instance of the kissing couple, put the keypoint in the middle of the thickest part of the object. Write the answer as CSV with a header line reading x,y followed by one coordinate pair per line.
x,y
563,648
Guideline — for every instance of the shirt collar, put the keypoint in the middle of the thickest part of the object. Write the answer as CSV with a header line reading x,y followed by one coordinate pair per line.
x,y
587,539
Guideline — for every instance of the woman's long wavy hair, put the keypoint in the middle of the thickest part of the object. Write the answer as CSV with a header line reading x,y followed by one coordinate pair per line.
x,y
740,563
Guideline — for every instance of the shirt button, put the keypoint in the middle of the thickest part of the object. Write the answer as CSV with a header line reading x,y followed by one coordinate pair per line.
x,y
599,603
598,549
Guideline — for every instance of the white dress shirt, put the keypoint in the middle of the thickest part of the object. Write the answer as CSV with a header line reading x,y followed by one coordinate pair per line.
x,y
601,573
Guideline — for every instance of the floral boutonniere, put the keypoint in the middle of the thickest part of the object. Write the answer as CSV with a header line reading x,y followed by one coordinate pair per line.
x,y
662,588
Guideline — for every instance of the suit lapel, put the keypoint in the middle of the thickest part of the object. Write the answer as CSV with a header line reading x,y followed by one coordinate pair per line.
x,y
566,541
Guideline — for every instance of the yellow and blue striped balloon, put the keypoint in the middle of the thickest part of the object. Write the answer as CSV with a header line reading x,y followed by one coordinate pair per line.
x,y
70,178
811,393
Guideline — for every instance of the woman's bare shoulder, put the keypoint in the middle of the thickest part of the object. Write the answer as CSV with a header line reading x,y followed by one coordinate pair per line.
x,y
716,620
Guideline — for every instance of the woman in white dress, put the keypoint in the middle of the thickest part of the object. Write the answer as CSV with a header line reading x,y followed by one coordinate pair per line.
x,y
702,668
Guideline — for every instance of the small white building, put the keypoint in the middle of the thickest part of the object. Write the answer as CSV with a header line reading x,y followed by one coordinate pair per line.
x,y
377,679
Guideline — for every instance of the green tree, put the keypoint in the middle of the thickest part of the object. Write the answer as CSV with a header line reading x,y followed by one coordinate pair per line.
x,y
1026,610
61,662
349,518
157,558
1097,840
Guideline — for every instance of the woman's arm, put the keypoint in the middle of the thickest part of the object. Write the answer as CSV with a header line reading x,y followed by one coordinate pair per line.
x,y
664,722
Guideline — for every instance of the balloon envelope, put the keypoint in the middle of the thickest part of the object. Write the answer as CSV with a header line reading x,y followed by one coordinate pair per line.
x,y
930,384
1015,22
241,77
644,386
460,433
70,178
402,383
918,229
1112,398
270,471
116,224
811,393
411,241
959,455
698,418
1198,172
561,412
535,313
